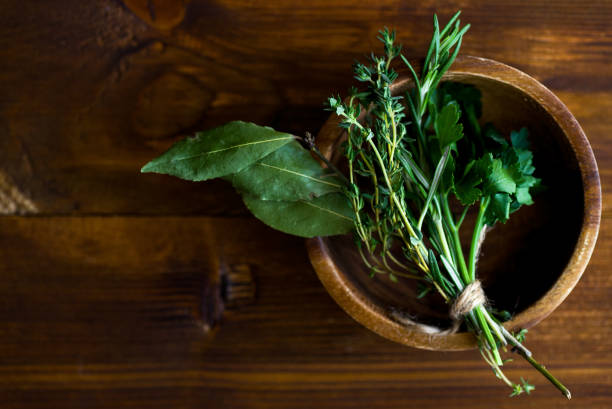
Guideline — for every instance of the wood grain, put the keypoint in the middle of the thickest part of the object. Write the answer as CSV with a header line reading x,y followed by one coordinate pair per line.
x,y
128,290
100,117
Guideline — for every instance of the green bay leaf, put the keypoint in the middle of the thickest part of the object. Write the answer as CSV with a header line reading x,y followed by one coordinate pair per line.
x,y
324,216
218,152
288,174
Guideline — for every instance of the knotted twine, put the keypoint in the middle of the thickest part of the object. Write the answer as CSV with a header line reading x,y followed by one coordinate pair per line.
x,y
472,296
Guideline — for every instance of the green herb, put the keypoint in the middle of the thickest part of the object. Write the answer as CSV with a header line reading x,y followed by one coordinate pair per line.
x,y
417,163
415,157
280,182
287,174
219,152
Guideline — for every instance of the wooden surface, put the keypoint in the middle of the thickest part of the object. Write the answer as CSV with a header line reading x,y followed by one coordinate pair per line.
x,y
125,290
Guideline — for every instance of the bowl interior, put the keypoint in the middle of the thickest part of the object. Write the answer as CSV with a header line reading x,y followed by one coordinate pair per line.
x,y
520,260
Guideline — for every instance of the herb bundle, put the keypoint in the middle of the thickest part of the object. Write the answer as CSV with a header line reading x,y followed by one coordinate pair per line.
x,y
417,163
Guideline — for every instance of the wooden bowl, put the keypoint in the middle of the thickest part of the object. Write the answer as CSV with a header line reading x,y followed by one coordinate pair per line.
x,y
528,265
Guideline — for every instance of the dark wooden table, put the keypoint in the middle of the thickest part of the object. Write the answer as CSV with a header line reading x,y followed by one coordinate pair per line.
x,y
125,290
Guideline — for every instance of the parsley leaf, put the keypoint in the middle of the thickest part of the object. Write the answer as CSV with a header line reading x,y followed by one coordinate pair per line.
x,y
498,209
500,178
519,139
466,188
446,125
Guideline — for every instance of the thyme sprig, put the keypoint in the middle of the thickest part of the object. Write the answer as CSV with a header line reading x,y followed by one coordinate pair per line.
x,y
413,160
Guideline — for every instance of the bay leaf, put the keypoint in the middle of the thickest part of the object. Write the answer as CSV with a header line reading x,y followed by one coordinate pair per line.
x,y
218,152
327,215
287,174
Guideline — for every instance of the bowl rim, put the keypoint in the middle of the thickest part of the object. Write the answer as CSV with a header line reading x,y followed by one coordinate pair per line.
x,y
372,316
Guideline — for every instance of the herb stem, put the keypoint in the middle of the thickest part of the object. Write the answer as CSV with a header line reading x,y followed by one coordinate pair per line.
x,y
484,202
399,263
486,354
375,201
442,293
364,258
443,240
309,141
358,223
494,326
487,334
394,130
566,392
394,199
330,165
462,217
454,229
512,340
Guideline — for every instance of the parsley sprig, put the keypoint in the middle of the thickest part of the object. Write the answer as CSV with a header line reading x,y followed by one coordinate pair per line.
x,y
417,163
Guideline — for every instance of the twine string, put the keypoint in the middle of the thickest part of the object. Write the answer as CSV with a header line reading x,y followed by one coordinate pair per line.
x,y
471,297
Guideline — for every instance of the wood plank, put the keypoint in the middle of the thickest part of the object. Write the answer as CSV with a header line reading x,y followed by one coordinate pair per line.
x,y
117,90
117,293
111,311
